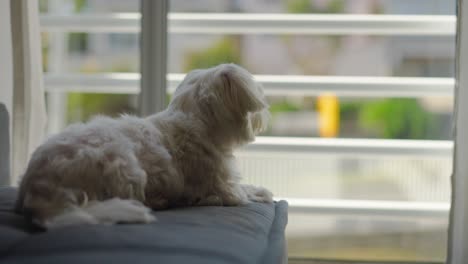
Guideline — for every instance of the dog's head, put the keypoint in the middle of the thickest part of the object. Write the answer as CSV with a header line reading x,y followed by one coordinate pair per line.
x,y
226,99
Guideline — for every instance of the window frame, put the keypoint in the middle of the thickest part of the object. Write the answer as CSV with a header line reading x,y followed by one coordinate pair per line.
x,y
457,248
154,28
153,56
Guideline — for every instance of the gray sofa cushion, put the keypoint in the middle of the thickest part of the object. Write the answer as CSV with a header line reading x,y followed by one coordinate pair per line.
x,y
247,234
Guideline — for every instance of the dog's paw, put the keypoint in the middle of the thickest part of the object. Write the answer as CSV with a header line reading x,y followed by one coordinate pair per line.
x,y
102,212
258,194
121,211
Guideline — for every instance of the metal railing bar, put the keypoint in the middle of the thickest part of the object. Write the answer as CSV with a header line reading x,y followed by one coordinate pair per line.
x,y
119,83
273,84
115,22
255,23
354,86
368,207
352,147
327,24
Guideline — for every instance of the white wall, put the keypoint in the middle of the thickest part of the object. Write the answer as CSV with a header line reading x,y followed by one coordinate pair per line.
x,y
6,66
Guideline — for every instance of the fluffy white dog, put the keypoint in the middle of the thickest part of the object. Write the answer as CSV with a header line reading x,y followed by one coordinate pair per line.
x,y
115,170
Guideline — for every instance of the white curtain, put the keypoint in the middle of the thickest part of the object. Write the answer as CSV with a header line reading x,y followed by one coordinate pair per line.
x,y
29,115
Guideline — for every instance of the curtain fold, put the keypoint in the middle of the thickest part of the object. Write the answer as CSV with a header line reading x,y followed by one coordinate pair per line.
x,y
29,114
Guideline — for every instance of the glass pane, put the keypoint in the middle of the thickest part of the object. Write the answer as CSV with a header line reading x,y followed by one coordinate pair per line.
x,y
82,52
339,177
341,237
306,175
81,107
385,56
86,54
334,176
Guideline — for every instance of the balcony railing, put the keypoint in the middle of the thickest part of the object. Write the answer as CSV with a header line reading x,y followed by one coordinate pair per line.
x,y
352,147
369,208
129,83
208,23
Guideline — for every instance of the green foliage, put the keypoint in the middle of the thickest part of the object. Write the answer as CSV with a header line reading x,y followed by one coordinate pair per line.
x,y
80,5
45,51
82,106
396,118
77,42
349,109
284,106
298,6
335,6
224,51
307,6
43,6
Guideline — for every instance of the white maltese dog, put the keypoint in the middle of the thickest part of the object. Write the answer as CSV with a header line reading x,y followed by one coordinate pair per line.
x,y
115,170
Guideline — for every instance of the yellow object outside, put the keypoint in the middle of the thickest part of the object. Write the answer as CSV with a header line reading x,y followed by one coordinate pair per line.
x,y
329,115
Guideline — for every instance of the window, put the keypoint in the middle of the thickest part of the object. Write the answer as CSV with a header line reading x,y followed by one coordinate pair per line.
x,y
361,96
89,70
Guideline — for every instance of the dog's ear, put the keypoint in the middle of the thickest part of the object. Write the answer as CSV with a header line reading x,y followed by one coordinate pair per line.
x,y
184,95
238,90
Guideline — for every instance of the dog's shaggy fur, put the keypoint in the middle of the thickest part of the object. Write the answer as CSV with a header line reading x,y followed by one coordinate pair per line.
x,y
114,170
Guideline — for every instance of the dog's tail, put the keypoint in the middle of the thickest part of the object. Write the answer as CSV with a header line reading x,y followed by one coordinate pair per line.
x,y
64,209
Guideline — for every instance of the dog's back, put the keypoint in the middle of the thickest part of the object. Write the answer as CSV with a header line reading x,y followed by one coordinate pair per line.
x,y
81,169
